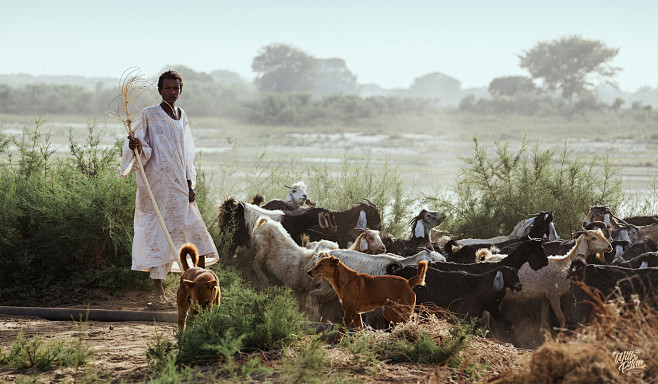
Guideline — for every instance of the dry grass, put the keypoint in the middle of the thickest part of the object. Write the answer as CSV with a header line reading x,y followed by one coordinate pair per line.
x,y
588,353
133,97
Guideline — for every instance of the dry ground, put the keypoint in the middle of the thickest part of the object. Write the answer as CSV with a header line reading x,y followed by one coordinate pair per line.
x,y
120,350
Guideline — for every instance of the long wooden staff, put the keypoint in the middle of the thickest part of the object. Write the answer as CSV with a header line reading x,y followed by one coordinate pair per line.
x,y
131,90
155,207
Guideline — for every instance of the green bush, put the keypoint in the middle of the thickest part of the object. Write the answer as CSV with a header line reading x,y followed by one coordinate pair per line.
x,y
244,320
45,355
67,221
499,187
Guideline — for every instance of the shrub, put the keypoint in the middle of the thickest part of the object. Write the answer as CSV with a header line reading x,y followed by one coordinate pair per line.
x,y
244,320
67,221
44,355
496,190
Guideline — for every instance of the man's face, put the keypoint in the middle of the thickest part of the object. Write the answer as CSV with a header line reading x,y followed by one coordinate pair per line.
x,y
170,90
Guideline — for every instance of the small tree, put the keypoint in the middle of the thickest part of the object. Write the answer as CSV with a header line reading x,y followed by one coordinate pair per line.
x,y
569,64
334,77
510,86
437,85
283,68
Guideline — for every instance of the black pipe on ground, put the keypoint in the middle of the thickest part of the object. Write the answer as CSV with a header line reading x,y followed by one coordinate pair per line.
x,y
78,314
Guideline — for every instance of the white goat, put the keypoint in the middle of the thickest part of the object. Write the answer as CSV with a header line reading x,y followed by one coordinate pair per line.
x,y
369,242
297,194
283,258
550,283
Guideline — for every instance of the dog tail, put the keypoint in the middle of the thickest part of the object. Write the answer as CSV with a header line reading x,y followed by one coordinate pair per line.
x,y
188,249
419,279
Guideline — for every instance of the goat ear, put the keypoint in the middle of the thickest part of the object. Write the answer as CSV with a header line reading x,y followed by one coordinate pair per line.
x,y
362,222
363,245
419,231
499,282
289,198
322,220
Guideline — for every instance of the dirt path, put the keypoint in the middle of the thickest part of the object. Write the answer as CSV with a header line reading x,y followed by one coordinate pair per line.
x,y
120,347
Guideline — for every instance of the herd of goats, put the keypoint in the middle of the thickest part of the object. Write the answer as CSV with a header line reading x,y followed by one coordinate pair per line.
x,y
608,257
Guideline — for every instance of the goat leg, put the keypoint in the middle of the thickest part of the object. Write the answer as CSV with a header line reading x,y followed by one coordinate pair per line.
x,y
495,312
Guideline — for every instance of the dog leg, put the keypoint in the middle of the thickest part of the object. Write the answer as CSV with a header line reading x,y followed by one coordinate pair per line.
x,y
349,317
183,307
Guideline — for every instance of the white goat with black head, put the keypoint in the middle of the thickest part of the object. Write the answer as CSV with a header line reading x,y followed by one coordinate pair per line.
x,y
297,198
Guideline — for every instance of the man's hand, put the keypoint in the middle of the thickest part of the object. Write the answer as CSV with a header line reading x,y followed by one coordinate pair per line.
x,y
192,194
133,143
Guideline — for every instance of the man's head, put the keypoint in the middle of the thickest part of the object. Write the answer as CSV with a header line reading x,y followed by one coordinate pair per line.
x,y
170,86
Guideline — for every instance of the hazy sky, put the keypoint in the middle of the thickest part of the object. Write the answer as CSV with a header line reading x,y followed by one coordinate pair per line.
x,y
389,43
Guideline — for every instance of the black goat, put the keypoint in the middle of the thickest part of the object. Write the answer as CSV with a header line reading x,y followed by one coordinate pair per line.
x,y
455,253
648,259
467,293
529,251
421,225
606,281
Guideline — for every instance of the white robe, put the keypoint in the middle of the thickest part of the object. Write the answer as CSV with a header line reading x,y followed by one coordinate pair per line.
x,y
168,157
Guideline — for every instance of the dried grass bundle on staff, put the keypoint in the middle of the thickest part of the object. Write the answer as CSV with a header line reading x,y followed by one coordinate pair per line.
x,y
160,145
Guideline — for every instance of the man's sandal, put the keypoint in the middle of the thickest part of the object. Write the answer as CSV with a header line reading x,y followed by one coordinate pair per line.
x,y
161,303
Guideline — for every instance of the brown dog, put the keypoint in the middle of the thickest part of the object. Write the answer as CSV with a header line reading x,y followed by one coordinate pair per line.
x,y
360,292
197,285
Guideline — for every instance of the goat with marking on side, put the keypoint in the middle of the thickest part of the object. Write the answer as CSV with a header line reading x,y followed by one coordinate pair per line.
x,y
198,286
421,225
237,220
609,280
360,292
368,242
549,283
467,293
361,216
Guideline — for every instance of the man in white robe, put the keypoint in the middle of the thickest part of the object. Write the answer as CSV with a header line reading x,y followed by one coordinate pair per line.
x,y
167,151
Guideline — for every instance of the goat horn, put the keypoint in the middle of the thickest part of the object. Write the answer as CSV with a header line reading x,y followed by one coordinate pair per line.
x,y
287,186
369,202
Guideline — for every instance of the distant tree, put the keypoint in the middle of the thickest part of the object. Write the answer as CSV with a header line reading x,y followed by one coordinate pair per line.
x,y
438,86
189,74
224,77
283,68
333,76
510,86
569,64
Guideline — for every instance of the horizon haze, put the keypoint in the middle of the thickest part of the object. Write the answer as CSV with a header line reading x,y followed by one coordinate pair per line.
x,y
388,43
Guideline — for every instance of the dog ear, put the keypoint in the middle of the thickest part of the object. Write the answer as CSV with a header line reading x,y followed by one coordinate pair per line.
x,y
211,284
499,282
189,283
333,261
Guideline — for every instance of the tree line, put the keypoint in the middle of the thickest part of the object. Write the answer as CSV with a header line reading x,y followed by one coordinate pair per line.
x,y
293,87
